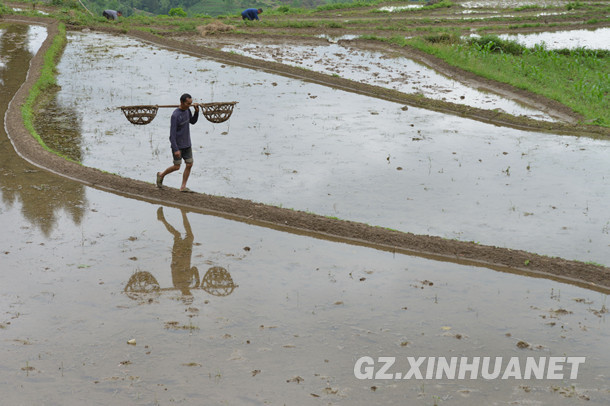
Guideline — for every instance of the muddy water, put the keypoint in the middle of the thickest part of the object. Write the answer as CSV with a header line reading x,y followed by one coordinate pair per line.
x,y
512,3
375,68
265,317
21,184
590,39
392,9
237,314
362,159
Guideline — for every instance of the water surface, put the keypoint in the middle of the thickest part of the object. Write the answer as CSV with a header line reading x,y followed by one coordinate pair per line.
x,y
375,68
360,159
238,314
591,39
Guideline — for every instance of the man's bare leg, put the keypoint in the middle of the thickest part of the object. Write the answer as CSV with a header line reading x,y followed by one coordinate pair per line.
x,y
185,175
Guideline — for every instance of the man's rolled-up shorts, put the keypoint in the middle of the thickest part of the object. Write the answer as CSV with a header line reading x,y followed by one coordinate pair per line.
x,y
186,154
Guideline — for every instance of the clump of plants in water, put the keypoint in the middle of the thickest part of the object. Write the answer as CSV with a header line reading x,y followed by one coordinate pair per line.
x,y
574,5
443,37
492,43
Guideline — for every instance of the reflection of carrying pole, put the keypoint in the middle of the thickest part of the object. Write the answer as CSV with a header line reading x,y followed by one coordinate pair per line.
x,y
144,114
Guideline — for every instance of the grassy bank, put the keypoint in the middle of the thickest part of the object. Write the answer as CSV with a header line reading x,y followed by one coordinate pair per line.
x,y
45,84
579,79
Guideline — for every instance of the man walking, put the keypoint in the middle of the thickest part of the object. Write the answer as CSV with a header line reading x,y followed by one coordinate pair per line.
x,y
180,140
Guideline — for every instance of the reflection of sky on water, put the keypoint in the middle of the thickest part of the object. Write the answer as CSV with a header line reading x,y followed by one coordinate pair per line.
x,y
392,9
512,3
36,36
591,39
304,146
398,73
474,11
331,38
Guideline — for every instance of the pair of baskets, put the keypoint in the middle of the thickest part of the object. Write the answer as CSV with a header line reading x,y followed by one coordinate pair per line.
x,y
213,112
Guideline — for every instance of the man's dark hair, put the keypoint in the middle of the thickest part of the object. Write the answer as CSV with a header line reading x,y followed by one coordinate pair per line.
x,y
260,10
184,97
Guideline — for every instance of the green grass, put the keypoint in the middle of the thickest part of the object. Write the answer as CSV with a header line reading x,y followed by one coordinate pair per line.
x,y
44,84
355,4
577,78
529,7
282,10
4,10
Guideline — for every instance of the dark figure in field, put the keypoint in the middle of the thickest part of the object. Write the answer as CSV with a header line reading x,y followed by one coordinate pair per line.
x,y
111,14
184,276
251,14
180,140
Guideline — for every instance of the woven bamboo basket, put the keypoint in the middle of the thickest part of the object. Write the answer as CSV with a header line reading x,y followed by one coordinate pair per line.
x,y
140,115
217,112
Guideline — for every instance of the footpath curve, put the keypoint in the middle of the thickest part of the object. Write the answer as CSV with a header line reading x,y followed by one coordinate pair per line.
x,y
501,259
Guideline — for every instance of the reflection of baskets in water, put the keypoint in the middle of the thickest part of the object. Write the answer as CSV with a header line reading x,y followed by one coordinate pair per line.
x,y
217,112
140,115
218,282
140,284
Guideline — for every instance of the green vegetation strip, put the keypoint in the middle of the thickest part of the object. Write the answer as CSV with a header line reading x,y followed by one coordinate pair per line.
x,y
579,78
45,82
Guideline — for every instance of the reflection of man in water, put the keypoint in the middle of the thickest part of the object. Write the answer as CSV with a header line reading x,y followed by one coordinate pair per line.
x,y
183,275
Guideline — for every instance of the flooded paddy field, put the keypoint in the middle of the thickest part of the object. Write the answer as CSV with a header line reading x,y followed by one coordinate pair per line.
x,y
258,316
590,39
364,159
109,300
375,68
504,4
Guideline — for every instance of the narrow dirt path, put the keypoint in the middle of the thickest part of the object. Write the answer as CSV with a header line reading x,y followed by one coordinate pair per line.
x,y
502,259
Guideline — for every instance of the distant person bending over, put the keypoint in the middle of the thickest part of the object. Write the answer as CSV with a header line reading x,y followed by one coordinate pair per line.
x,y
112,15
180,140
251,14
